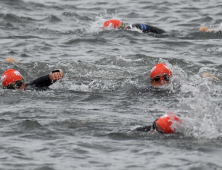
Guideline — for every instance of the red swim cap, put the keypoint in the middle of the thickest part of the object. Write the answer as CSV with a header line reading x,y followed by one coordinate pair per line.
x,y
169,122
10,76
113,23
160,68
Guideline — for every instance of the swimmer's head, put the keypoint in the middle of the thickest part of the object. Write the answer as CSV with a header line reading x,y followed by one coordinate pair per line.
x,y
10,78
160,68
160,74
169,122
113,23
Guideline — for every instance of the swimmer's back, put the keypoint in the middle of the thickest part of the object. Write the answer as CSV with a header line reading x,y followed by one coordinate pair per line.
x,y
148,28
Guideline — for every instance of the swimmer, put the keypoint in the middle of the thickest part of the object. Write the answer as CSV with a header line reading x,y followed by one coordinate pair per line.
x,y
167,123
116,24
11,60
12,79
161,75
205,29
212,78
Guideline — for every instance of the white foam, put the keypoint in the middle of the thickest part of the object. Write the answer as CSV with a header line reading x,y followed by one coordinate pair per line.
x,y
202,118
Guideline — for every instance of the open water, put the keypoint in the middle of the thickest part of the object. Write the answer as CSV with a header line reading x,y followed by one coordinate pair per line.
x,y
86,120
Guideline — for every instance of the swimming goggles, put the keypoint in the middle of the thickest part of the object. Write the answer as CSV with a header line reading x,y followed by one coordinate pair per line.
x,y
154,127
122,26
17,84
157,79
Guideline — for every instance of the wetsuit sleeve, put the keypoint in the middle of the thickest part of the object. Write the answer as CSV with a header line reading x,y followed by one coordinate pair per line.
x,y
41,82
147,89
148,28
143,129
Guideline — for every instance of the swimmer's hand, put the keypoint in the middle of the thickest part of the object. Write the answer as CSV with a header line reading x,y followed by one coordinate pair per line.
x,y
56,75
11,60
205,29
206,75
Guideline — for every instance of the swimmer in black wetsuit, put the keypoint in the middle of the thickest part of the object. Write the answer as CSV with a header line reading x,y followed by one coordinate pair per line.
x,y
12,79
167,123
120,25
160,75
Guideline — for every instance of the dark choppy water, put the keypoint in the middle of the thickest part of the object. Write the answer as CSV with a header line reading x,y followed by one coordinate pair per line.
x,y
86,120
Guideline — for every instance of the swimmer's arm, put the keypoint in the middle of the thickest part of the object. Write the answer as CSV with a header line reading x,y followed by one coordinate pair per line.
x,y
205,29
46,80
11,60
56,75
208,75
149,28
144,129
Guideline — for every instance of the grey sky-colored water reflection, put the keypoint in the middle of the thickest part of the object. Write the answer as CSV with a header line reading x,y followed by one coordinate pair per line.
x,y
86,120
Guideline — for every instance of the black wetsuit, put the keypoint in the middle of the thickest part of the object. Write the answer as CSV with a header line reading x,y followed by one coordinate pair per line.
x,y
146,89
144,129
174,89
148,128
147,28
41,83
154,90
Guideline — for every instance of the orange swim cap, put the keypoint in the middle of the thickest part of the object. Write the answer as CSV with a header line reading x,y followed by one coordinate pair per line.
x,y
10,76
169,122
160,68
113,23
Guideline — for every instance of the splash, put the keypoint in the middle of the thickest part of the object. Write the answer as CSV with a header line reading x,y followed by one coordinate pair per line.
x,y
201,111
220,27
97,24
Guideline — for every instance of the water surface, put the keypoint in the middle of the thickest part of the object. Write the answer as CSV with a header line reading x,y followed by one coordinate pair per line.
x,y
86,120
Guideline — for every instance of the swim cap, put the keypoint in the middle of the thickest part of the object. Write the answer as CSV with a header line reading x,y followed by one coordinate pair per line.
x,y
160,68
10,76
169,122
113,23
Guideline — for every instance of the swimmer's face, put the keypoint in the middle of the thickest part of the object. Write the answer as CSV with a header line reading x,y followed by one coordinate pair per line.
x,y
157,128
122,26
22,87
20,84
160,79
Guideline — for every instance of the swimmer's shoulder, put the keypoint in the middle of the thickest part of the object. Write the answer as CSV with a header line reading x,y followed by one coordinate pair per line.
x,y
146,89
148,28
143,129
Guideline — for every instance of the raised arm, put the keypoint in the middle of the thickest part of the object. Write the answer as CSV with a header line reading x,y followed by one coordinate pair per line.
x,y
47,80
